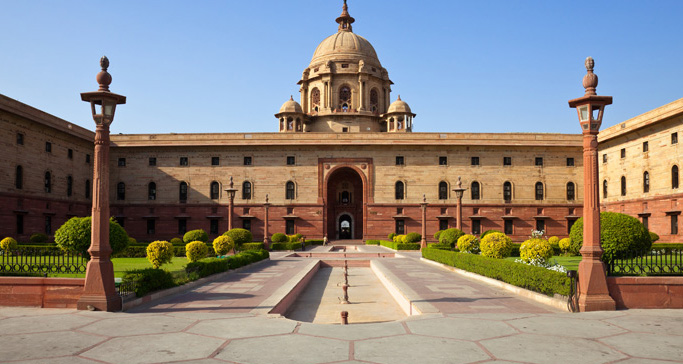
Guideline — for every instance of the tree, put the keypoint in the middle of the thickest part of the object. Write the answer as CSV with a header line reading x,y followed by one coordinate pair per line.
x,y
621,235
74,236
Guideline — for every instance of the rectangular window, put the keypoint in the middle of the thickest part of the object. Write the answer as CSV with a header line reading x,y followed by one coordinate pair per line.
x,y
623,152
400,226
400,161
289,227
48,147
646,222
476,226
151,227
443,224
345,130
152,161
540,225
20,139
48,225
183,161
674,224
539,161
475,161
182,226
646,147
508,227
121,221
246,224
215,161
247,161
443,161
87,158
674,138
213,228
20,224
570,162
604,158
507,161
70,153
291,160
122,162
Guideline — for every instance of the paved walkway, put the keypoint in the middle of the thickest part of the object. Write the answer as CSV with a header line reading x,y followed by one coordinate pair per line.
x,y
217,323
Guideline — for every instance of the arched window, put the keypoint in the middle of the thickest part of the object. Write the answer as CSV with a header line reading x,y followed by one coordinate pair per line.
x,y
290,123
623,186
315,100
215,190
87,189
19,178
443,190
604,188
152,191
246,190
674,177
374,100
182,191
539,191
400,190
475,190
48,182
646,182
289,190
571,191
69,186
120,191
345,98
507,191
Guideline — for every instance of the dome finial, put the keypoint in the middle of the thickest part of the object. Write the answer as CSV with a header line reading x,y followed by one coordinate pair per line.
x,y
590,80
345,20
291,97
399,97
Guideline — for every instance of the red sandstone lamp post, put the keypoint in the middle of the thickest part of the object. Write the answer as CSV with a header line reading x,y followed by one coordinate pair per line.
x,y
99,292
423,205
266,239
593,292
458,211
231,201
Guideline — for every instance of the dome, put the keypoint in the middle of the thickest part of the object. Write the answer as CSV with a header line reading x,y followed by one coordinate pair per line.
x,y
291,106
399,106
345,45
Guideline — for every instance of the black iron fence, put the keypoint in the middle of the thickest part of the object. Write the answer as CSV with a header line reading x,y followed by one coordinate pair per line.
x,y
126,289
659,262
41,260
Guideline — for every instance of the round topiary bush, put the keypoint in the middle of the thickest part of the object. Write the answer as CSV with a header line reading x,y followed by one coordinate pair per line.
x,y
195,235
554,241
176,241
496,245
468,243
621,235
279,238
240,236
223,244
391,236
8,244
398,238
488,232
296,238
38,238
437,234
74,236
132,241
412,238
535,249
159,253
196,250
450,237
653,237
565,245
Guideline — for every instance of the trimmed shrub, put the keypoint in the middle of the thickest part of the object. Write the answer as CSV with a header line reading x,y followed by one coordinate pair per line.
x,y
468,244
437,234
8,244
450,237
412,238
196,250
533,278
621,235
535,249
38,238
554,242
223,244
565,245
206,267
438,246
296,238
391,236
653,237
149,280
132,241
489,232
74,236
195,235
398,238
251,246
279,238
240,236
407,246
177,242
372,242
496,245
159,253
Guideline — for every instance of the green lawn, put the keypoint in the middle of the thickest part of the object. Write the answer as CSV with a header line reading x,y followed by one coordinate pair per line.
x,y
571,263
121,265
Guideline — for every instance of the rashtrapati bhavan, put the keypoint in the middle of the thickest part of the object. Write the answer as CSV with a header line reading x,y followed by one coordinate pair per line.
x,y
346,162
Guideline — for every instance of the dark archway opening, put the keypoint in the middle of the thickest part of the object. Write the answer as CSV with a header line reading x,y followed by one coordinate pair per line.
x,y
345,227
344,204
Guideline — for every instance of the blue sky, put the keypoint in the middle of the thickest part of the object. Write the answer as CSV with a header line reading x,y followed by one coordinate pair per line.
x,y
227,66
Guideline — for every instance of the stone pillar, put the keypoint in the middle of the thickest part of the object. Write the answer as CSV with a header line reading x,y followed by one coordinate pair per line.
x,y
458,214
266,238
423,242
231,205
99,291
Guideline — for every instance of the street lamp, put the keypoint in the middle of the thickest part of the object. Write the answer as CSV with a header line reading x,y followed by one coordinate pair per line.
x,y
99,292
423,205
266,238
231,202
593,291
458,211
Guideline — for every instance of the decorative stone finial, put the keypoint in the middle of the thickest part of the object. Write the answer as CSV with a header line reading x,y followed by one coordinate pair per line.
x,y
104,78
266,198
590,80
291,98
231,183
459,182
345,20
424,198
399,98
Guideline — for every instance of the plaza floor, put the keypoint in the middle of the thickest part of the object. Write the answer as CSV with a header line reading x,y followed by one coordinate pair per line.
x,y
224,322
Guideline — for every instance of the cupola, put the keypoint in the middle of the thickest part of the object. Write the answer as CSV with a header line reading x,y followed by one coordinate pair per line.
x,y
291,117
399,117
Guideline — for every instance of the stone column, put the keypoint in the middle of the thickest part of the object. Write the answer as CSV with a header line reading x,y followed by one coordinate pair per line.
x,y
423,205
266,238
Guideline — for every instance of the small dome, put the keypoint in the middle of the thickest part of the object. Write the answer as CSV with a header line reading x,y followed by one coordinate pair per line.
x,y
399,106
291,106
346,46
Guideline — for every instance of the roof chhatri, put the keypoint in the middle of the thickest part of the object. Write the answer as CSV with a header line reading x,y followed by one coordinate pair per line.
x,y
345,20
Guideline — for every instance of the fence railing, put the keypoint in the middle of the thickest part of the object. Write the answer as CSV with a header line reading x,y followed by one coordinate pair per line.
x,y
126,289
41,260
660,261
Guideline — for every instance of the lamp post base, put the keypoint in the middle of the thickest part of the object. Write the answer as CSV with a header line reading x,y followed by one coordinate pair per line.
x,y
100,303
593,292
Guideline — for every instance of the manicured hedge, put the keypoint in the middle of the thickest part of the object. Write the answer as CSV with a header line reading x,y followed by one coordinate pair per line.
x,y
149,280
141,252
286,246
399,246
521,275
372,242
250,246
209,266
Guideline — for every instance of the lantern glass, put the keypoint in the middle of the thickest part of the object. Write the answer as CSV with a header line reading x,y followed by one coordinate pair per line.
x,y
583,112
108,109
595,112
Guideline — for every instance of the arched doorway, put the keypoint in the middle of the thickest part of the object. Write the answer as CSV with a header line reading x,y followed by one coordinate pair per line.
x,y
344,204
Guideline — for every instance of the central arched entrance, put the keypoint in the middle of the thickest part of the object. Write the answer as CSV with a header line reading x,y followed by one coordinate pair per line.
x,y
344,204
